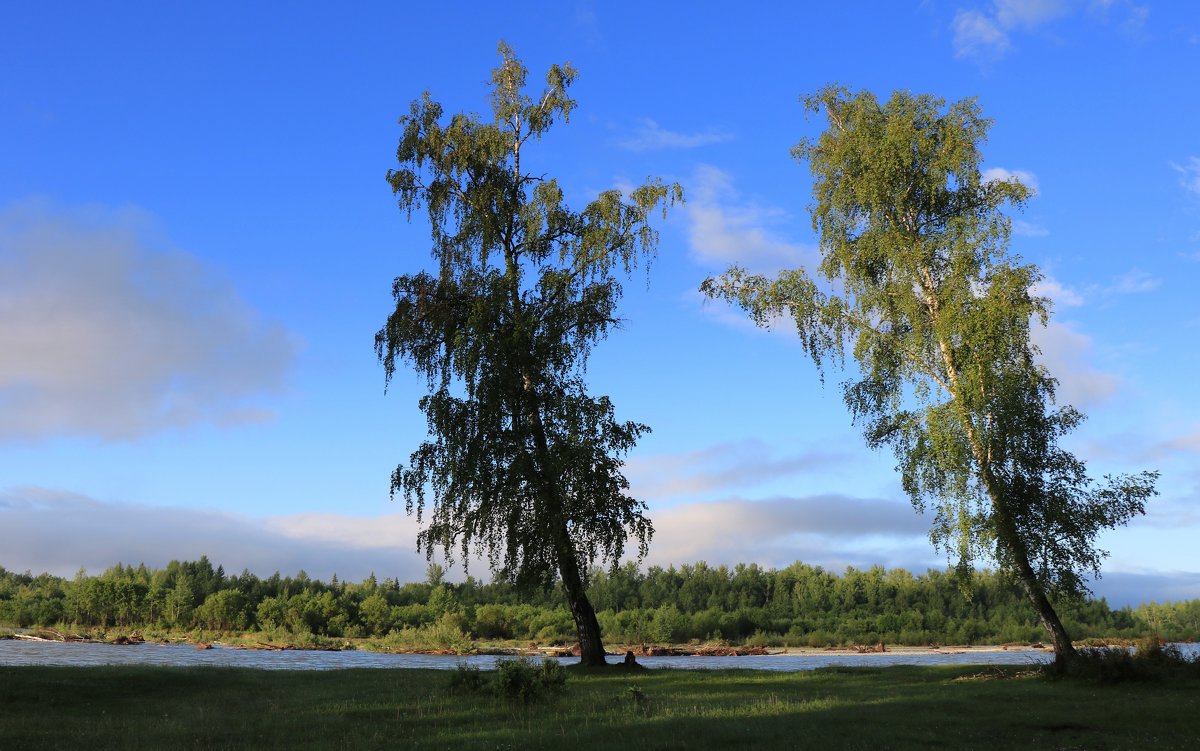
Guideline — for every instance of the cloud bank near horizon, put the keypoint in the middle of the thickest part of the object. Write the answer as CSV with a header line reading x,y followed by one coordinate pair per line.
x,y
59,532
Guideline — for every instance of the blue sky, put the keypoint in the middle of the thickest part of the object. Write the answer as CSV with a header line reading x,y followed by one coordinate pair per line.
x,y
197,243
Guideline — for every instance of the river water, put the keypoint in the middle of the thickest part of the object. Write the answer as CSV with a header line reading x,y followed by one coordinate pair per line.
x,y
15,652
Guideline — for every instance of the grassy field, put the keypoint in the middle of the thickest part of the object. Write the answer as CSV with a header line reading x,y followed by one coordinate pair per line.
x,y
900,707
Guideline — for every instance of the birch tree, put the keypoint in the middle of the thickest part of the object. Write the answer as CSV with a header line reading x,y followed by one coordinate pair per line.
x,y
522,465
916,281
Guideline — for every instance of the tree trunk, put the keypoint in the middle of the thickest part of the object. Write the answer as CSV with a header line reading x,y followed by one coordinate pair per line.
x,y
587,628
1064,650
591,648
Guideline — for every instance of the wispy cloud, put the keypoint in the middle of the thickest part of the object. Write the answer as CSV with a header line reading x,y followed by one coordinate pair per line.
x,y
1189,175
650,136
741,465
978,36
1061,295
1066,353
1130,16
1028,229
1189,443
1012,14
985,33
106,335
1027,178
724,228
1134,282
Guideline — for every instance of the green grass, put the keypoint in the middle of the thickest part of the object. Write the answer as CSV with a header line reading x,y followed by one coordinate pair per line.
x,y
900,707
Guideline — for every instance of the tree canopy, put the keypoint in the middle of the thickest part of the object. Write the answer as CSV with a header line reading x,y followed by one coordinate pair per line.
x,y
917,282
523,465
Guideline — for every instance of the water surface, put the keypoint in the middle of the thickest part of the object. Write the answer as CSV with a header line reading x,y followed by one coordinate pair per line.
x,y
75,654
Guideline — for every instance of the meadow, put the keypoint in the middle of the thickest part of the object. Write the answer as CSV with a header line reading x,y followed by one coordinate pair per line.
x,y
897,707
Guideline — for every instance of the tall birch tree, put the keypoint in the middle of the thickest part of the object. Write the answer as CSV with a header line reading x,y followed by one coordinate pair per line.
x,y
522,464
919,285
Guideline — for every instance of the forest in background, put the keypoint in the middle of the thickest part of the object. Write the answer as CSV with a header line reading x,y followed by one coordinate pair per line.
x,y
800,605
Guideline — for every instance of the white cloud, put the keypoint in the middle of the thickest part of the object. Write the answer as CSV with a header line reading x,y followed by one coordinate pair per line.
x,y
105,335
724,229
1027,13
650,137
1189,175
1065,353
1027,229
1062,296
59,532
1134,282
1133,16
977,36
1027,178
829,530
986,34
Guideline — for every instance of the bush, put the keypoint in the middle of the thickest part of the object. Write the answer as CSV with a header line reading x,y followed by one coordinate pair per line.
x,y
467,679
445,635
1149,659
520,681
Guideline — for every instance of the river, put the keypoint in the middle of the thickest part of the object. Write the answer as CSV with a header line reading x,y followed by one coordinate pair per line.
x,y
16,652
179,655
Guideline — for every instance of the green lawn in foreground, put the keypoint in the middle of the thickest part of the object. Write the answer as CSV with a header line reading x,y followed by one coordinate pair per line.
x,y
900,707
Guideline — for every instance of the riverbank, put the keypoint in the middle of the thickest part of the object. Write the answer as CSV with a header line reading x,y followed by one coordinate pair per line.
x,y
899,707
278,641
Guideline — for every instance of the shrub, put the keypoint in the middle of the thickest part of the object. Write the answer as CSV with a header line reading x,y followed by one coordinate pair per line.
x,y
1149,659
520,680
467,679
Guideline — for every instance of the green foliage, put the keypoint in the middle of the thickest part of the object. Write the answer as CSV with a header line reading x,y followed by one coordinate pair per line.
x,y
523,464
1148,660
937,315
519,681
523,681
799,605
444,635
467,679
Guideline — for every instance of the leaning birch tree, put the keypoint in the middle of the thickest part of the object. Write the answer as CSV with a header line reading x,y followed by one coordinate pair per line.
x,y
919,286
522,464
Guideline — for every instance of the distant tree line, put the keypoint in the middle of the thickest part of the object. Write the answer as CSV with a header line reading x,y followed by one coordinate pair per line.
x,y
800,605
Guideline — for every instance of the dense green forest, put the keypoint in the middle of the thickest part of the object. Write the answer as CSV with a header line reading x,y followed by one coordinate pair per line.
x,y
799,605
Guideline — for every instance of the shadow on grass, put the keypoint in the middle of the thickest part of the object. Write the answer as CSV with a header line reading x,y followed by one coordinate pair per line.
x,y
902,707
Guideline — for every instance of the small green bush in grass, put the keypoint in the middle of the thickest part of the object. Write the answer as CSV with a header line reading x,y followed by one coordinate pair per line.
x,y
519,680
467,679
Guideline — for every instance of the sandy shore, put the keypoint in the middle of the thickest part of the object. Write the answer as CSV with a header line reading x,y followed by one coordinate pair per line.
x,y
903,650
